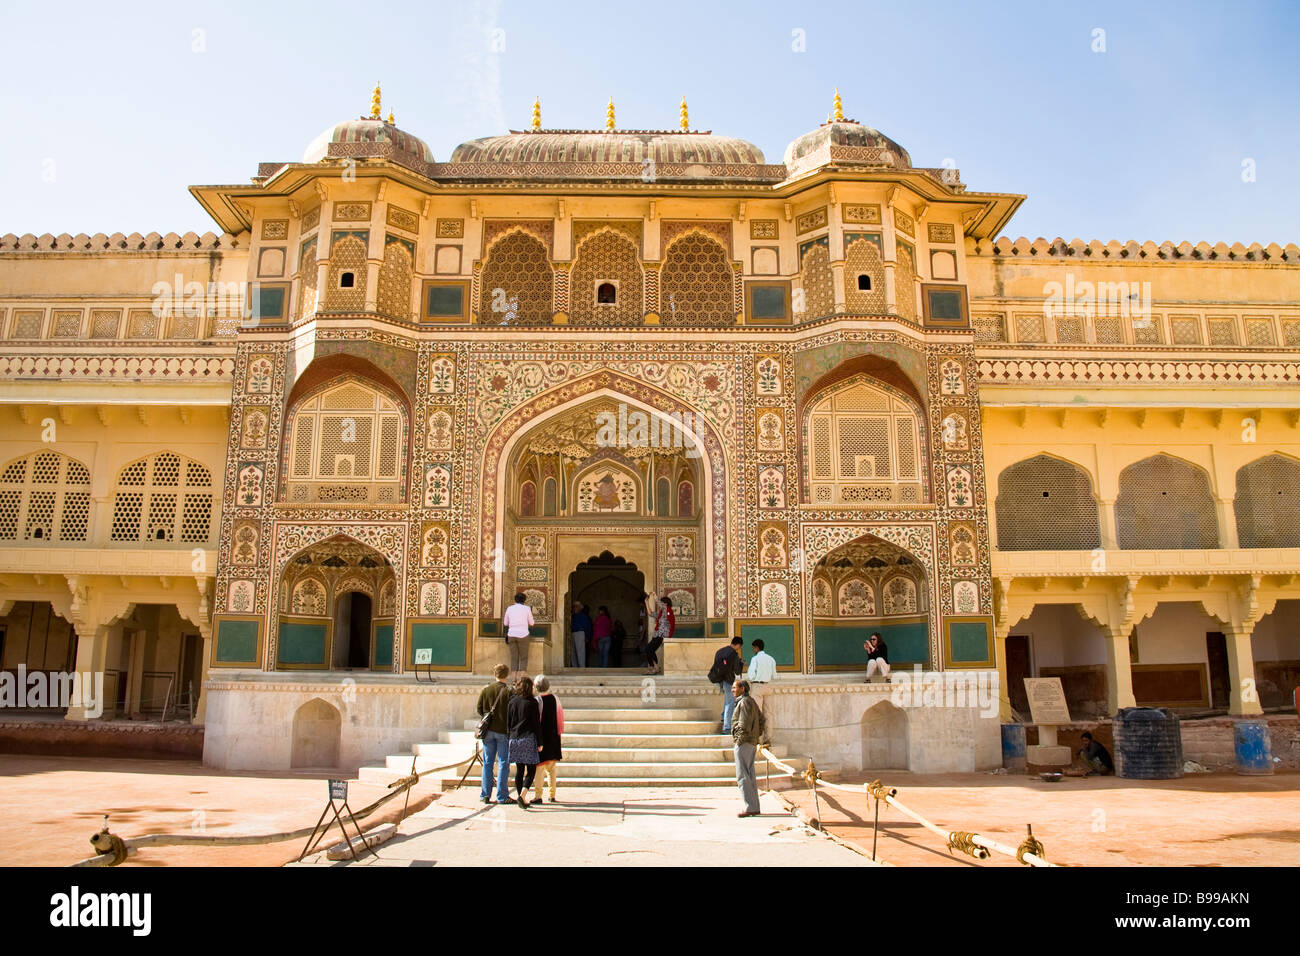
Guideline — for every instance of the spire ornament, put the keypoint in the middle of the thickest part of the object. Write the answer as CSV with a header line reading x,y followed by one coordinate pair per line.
x,y
609,114
537,114
837,116
685,117
375,108
390,121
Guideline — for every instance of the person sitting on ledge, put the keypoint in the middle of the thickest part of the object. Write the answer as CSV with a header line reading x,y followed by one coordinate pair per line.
x,y
877,657
1096,756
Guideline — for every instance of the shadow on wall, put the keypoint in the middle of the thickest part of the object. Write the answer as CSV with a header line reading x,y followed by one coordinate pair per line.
x,y
316,729
884,737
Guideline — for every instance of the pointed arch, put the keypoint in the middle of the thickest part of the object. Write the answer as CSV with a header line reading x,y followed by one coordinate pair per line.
x,y
696,282
163,497
1165,502
44,496
606,255
1046,503
1267,503
516,284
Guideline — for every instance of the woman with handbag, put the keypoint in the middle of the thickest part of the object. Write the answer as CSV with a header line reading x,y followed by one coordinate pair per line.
x,y
665,624
525,730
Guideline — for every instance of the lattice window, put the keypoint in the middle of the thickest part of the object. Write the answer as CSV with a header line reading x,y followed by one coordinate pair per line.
x,y
1029,328
695,284
44,497
1291,332
163,498
27,324
1267,504
865,447
862,257
308,277
348,432
989,328
1045,504
184,327
1223,331
517,282
905,282
1185,330
1165,503
1109,330
142,324
395,278
67,325
347,265
1069,331
1148,331
104,323
818,282
606,258
1259,332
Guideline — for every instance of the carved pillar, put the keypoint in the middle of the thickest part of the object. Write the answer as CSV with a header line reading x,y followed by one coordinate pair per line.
x,y
1227,517
560,292
1001,630
1119,669
1243,697
651,293
92,653
891,290
1106,512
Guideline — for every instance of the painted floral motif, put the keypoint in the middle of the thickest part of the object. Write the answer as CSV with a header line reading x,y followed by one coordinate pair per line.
x,y
442,375
532,547
771,488
255,429
683,602
433,553
822,598
437,487
433,599
239,599
857,599
965,598
961,488
767,376
261,371
308,597
388,600
535,598
249,490
244,546
900,596
962,541
950,378
681,547
772,548
771,433
953,432
775,599
438,436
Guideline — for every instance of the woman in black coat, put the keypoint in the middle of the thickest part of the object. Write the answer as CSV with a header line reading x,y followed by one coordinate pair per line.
x,y
552,729
524,728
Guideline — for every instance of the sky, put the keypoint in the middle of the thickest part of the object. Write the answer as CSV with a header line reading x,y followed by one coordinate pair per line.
x,y
1160,121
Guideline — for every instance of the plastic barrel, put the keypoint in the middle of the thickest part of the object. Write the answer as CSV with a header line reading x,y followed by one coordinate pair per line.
x,y
1148,744
1013,746
1253,747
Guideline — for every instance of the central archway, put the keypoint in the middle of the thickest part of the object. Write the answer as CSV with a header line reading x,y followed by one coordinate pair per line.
x,y
611,581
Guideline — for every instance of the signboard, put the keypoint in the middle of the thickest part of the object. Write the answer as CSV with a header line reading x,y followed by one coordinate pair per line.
x,y
339,790
424,655
1047,700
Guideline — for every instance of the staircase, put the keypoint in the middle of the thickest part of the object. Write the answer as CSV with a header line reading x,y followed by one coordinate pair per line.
x,y
611,739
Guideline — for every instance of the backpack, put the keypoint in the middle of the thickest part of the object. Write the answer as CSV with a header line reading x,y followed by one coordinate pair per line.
x,y
720,672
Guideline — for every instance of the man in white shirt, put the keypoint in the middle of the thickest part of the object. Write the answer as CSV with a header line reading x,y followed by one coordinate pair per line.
x,y
761,673
518,620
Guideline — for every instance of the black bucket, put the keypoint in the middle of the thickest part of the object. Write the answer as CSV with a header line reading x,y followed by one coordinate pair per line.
x,y
1148,744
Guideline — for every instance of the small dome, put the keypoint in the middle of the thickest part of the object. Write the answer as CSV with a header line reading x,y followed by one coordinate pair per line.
x,y
844,141
585,147
368,138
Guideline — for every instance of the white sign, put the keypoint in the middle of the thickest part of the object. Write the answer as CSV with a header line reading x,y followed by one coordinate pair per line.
x,y
1047,700
424,655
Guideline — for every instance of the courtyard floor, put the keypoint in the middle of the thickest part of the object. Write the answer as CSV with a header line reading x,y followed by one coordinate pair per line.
x,y
52,805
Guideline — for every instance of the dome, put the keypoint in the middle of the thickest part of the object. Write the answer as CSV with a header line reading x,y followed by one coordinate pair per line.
x,y
844,141
616,154
369,138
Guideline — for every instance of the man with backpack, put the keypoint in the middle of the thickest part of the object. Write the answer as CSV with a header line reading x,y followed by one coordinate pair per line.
x,y
492,701
727,666
748,732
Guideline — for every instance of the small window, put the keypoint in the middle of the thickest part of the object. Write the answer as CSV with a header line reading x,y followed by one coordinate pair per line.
x,y
347,280
606,293
864,282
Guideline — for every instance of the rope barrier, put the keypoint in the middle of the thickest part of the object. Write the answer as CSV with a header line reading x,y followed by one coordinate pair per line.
x,y
1030,852
112,850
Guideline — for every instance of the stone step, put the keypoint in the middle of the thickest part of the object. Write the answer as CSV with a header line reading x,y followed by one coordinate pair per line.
x,y
634,771
659,727
653,741
638,713
649,755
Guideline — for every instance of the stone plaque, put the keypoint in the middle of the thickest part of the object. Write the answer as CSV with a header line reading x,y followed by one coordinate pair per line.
x,y
1047,700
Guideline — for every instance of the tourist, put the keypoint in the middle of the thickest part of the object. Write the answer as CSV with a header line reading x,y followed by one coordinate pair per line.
x,y
525,725
664,626
643,627
552,731
619,638
493,699
727,666
877,657
580,628
761,673
518,621
602,628
1096,756
748,732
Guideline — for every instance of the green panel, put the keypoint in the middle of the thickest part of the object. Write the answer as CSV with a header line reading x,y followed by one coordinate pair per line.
x,y
778,640
945,306
689,630
446,301
539,630
448,641
717,628
237,641
968,642
841,644
383,645
768,302
303,644
489,628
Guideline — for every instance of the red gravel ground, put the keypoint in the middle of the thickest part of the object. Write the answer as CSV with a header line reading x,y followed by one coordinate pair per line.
x,y
1197,820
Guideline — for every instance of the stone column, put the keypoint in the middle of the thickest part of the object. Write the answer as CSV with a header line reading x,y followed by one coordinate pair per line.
x,y
1106,512
891,291
92,651
1243,697
837,286
1119,670
1227,518
1000,634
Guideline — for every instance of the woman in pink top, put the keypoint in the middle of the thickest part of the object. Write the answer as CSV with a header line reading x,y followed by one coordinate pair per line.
x,y
601,629
518,621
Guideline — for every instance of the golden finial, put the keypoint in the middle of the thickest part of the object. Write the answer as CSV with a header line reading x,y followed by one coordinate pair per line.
x,y
838,115
609,114
686,120
374,103
537,113
390,121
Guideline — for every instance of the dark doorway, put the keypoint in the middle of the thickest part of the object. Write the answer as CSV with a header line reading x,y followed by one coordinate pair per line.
x,y
352,624
1216,652
191,674
1018,668
610,581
